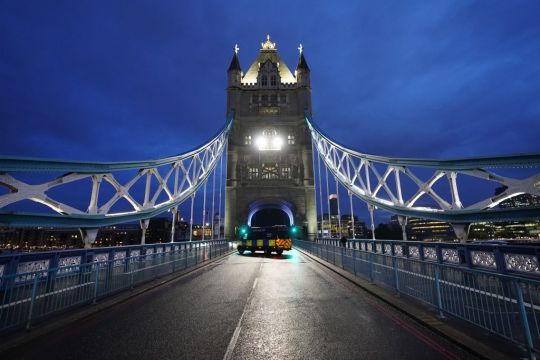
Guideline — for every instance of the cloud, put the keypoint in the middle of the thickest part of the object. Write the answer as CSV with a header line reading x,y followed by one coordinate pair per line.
x,y
124,80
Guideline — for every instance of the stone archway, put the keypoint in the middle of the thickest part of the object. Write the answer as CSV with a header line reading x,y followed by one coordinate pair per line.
x,y
259,205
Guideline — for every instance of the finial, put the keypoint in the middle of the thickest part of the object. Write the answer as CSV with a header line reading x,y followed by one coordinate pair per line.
x,y
236,48
300,48
268,45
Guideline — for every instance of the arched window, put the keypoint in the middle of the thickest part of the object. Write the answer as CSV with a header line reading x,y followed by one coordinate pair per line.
x,y
273,80
264,80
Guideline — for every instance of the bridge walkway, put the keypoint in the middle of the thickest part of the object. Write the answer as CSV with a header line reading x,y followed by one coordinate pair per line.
x,y
246,307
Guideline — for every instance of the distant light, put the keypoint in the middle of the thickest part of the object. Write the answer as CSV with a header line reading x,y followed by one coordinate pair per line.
x,y
243,230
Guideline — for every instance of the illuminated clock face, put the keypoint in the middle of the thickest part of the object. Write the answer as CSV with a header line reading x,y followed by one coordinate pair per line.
x,y
269,140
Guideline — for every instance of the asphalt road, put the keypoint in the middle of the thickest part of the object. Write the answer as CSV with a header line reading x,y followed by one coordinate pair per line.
x,y
246,307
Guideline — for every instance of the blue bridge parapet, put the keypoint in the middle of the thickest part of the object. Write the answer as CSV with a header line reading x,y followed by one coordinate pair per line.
x,y
36,285
494,287
522,260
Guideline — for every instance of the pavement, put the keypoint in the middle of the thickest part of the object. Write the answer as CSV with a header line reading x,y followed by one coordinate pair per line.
x,y
246,307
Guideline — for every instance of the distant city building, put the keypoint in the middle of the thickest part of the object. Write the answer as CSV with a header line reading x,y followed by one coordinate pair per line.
x,y
39,239
522,200
181,231
217,226
330,227
118,235
159,231
360,230
198,232
429,230
518,230
333,201
323,226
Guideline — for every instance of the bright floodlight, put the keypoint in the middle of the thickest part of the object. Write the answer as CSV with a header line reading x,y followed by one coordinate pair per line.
x,y
261,142
265,143
276,143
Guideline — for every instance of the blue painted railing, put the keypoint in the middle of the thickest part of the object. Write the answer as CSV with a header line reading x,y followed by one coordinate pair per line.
x,y
520,260
464,283
34,286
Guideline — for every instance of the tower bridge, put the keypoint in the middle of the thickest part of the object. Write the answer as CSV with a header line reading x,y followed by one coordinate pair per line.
x,y
270,154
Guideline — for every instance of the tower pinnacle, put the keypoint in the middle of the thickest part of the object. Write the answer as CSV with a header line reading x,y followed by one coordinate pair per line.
x,y
235,64
268,45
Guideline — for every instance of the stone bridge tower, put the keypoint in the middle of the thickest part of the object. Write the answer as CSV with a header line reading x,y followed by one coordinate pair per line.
x,y
269,158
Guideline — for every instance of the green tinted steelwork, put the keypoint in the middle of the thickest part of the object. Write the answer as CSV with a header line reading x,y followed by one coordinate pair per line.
x,y
380,186
178,178
516,160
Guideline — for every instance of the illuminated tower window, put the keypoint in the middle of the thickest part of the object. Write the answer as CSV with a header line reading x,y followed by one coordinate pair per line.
x,y
270,172
273,80
247,140
264,80
286,172
253,173
290,139
269,140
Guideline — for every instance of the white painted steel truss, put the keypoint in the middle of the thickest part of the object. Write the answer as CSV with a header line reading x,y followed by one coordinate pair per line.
x,y
378,181
167,183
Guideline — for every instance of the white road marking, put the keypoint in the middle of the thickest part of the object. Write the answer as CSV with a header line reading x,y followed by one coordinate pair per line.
x,y
236,334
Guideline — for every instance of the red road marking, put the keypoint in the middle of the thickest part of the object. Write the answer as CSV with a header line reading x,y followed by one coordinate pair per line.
x,y
411,329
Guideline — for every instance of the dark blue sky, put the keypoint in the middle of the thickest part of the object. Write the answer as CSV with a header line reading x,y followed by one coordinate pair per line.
x,y
101,80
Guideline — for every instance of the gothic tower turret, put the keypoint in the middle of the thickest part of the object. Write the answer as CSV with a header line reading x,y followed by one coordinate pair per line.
x,y
302,70
235,71
269,156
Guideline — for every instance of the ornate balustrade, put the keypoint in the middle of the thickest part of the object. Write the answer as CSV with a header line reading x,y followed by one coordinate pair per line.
x,y
506,259
36,285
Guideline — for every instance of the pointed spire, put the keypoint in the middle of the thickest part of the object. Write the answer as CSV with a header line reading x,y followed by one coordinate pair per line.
x,y
235,63
302,63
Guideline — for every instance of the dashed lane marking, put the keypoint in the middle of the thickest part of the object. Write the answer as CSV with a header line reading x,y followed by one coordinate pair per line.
x,y
236,334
